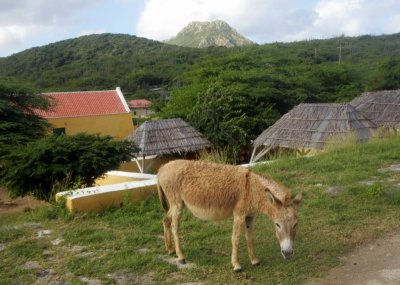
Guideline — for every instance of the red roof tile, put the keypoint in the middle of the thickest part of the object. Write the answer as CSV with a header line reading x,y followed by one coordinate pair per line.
x,y
140,103
85,103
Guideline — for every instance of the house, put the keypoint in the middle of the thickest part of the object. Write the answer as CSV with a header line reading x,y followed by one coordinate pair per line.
x,y
95,112
166,137
308,128
140,108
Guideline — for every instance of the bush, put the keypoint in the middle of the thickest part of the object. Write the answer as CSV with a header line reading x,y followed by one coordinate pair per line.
x,y
41,166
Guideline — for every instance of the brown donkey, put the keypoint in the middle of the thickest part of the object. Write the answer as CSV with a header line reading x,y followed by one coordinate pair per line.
x,y
213,192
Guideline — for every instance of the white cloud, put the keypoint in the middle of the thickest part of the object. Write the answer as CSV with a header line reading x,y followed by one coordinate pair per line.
x,y
256,18
352,18
273,20
25,20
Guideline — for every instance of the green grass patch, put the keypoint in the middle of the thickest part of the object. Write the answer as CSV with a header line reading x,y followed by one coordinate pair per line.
x,y
130,238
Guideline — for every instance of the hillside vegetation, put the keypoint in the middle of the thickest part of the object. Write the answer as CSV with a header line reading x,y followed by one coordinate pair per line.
x,y
230,95
125,243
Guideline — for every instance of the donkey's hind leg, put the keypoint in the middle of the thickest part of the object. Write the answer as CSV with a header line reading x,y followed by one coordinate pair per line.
x,y
249,237
176,213
168,233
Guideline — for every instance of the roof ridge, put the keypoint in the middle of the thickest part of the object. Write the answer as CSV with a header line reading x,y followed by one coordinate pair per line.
x,y
88,91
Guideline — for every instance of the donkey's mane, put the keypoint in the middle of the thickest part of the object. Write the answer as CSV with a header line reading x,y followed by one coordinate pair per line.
x,y
280,192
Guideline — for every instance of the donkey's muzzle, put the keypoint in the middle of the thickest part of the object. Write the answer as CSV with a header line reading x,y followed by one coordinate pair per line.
x,y
287,254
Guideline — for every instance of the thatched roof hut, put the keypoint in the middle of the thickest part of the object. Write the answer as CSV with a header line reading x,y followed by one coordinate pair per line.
x,y
382,107
171,136
311,126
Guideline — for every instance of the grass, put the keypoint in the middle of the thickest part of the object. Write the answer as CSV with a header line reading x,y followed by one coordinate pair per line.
x,y
128,239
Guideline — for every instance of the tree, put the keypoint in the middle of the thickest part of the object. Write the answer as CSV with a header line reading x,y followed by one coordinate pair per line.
x,y
18,122
391,74
42,166
231,117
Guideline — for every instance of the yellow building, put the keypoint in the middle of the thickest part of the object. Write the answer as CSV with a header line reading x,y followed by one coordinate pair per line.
x,y
94,112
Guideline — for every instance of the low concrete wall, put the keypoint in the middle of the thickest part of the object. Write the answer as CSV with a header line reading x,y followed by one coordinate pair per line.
x,y
134,187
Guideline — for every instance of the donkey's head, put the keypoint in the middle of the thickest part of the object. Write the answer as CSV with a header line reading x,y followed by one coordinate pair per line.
x,y
284,216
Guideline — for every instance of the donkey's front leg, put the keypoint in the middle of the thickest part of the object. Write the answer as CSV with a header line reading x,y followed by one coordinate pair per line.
x,y
249,237
238,221
176,214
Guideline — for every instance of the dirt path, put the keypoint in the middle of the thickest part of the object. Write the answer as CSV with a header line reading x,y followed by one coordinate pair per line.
x,y
8,206
377,263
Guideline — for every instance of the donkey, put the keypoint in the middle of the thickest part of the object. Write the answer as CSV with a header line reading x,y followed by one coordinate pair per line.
x,y
214,191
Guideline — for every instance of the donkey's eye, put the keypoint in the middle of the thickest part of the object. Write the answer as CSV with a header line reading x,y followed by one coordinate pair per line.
x,y
278,225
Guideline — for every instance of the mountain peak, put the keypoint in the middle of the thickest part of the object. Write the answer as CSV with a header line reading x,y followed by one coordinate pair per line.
x,y
205,34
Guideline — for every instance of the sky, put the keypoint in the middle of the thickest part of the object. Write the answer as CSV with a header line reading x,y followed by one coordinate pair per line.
x,y
30,23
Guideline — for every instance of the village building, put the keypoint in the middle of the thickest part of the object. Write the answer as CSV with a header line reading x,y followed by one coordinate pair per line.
x,y
93,112
173,137
382,107
140,108
308,128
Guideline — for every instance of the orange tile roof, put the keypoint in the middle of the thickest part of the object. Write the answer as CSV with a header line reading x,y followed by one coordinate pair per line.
x,y
140,103
85,103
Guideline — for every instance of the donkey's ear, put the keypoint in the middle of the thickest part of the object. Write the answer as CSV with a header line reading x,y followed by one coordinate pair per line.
x,y
272,198
297,199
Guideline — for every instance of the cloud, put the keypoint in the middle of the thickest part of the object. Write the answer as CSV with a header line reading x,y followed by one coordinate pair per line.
x,y
162,19
273,20
24,20
351,18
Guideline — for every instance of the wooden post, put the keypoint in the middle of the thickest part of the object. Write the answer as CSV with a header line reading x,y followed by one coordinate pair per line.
x,y
143,158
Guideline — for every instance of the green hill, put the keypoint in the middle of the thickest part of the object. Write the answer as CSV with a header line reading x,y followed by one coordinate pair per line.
x,y
98,62
229,94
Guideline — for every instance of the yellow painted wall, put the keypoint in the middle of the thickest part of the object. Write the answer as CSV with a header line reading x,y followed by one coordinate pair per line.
x,y
117,125
98,202
114,179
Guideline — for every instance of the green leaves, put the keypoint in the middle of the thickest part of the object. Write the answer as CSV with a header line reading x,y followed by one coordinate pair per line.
x,y
57,163
18,123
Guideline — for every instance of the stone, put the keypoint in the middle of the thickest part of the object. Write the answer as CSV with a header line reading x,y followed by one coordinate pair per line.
x,y
57,241
44,233
334,190
31,265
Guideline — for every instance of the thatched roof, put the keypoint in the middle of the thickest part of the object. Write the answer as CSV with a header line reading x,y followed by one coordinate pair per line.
x,y
382,107
311,126
168,137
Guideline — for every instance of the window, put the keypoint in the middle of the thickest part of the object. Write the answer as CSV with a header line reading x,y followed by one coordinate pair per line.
x,y
59,131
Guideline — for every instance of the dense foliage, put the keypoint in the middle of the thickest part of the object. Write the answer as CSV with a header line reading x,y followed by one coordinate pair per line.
x,y
98,62
18,123
47,165
230,95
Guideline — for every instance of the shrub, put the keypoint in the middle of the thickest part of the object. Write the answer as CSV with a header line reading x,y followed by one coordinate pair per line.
x,y
41,166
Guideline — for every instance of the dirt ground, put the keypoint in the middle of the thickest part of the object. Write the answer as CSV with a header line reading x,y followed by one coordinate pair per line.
x,y
377,263
8,206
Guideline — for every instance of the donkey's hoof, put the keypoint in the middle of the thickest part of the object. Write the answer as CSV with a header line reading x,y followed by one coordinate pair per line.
x,y
237,269
255,262
182,261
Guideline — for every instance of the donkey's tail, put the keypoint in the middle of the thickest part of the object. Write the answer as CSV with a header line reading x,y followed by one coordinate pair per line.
x,y
163,198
